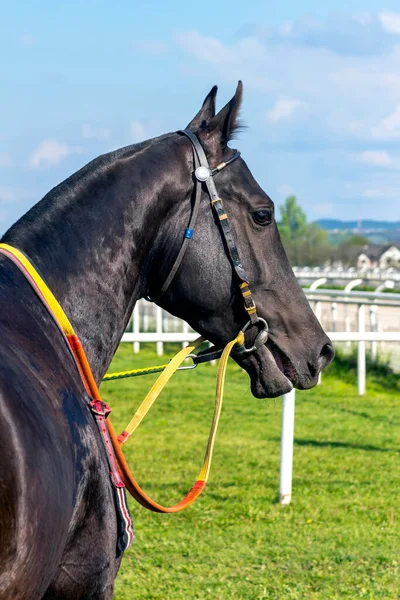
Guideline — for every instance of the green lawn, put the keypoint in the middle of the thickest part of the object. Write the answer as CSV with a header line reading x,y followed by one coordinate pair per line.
x,y
340,537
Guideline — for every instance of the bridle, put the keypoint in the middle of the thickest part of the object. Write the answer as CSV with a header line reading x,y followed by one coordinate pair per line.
x,y
204,174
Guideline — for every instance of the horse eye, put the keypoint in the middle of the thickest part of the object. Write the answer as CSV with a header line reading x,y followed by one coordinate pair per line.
x,y
262,217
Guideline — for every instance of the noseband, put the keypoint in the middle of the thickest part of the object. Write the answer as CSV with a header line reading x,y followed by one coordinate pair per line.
x,y
204,174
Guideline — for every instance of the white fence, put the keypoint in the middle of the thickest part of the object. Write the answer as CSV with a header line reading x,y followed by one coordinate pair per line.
x,y
151,324
351,273
349,312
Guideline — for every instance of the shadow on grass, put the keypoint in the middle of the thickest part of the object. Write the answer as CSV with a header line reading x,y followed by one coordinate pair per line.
x,y
347,445
392,420
333,444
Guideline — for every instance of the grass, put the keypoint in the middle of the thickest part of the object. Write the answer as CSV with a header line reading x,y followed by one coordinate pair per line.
x,y
339,539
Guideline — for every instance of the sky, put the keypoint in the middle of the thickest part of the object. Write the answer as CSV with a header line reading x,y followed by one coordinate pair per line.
x,y
321,92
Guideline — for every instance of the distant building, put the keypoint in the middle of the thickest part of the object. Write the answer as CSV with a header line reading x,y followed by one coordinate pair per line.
x,y
373,256
379,255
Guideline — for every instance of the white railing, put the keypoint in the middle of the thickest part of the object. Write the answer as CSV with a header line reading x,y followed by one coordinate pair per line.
x,y
152,317
337,310
351,273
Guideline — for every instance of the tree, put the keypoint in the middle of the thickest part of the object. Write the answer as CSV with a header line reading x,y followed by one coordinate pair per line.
x,y
306,244
346,251
293,219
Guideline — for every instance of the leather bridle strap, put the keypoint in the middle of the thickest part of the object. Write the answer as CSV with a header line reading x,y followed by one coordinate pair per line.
x,y
186,239
204,174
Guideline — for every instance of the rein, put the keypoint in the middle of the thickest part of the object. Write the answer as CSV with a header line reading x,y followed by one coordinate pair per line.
x,y
121,475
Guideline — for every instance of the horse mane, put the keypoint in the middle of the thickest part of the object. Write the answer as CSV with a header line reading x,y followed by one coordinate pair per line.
x,y
72,187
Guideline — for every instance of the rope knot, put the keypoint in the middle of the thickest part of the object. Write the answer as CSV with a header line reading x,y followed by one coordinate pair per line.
x,y
240,339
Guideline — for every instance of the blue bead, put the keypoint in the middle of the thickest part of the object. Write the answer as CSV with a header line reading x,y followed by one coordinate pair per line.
x,y
189,233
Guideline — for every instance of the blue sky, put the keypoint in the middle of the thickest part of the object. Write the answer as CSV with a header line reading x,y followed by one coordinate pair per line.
x,y
321,92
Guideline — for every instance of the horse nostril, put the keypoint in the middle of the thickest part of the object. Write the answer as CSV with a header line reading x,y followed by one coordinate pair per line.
x,y
326,356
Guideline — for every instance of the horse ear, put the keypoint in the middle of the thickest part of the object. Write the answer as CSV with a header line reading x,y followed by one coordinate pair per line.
x,y
206,113
226,123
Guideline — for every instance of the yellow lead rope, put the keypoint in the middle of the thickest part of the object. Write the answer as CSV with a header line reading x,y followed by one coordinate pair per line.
x,y
60,317
157,388
131,484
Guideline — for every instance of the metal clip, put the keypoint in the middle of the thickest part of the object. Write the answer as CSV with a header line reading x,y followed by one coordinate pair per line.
x,y
188,367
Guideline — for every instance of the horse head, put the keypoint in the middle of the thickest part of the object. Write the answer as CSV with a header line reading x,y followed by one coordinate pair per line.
x,y
205,290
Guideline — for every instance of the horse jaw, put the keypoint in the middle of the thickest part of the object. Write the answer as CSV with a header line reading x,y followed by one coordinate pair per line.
x,y
267,378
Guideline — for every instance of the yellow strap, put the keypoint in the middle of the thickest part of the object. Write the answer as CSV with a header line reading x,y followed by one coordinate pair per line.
x,y
50,299
159,385
219,393
162,381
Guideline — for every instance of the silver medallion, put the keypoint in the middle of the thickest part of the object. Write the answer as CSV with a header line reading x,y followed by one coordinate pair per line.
x,y
202,173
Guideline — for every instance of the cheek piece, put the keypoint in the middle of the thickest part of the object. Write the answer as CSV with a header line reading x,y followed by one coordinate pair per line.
x,y
204,174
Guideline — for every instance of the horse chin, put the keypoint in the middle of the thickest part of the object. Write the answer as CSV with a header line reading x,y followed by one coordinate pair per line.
x,y
267,378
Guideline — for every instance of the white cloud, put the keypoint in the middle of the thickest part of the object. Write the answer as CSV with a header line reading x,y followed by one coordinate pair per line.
x,y
153,48
286,190
51,152
207,49
390,21
363,18
324,209
378,158
5,160
283,110
389,128
388,193
138,131
244,59
7,195
27,39
95,133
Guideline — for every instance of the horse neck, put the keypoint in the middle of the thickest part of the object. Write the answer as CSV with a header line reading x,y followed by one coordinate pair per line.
x,y
92,236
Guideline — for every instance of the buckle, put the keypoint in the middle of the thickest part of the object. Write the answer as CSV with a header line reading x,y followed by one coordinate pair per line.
x,y
100,408
251,308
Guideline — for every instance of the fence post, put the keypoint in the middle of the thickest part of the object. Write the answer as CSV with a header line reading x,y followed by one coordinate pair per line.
x,y
334,314
348,288
373,309
159,329
136,326
146,307
286,466
185,329
361,366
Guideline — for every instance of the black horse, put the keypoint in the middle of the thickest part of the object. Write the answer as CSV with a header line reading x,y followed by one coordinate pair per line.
x,y
104,238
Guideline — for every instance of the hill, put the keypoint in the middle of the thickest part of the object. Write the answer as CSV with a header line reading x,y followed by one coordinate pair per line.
x,y
376,231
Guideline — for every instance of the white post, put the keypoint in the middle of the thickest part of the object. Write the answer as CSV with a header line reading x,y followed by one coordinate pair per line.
x,y
334,313
388,284
286,467
373,309
361,367
347,288
317,305
136,326
185,329
159,329
145,316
